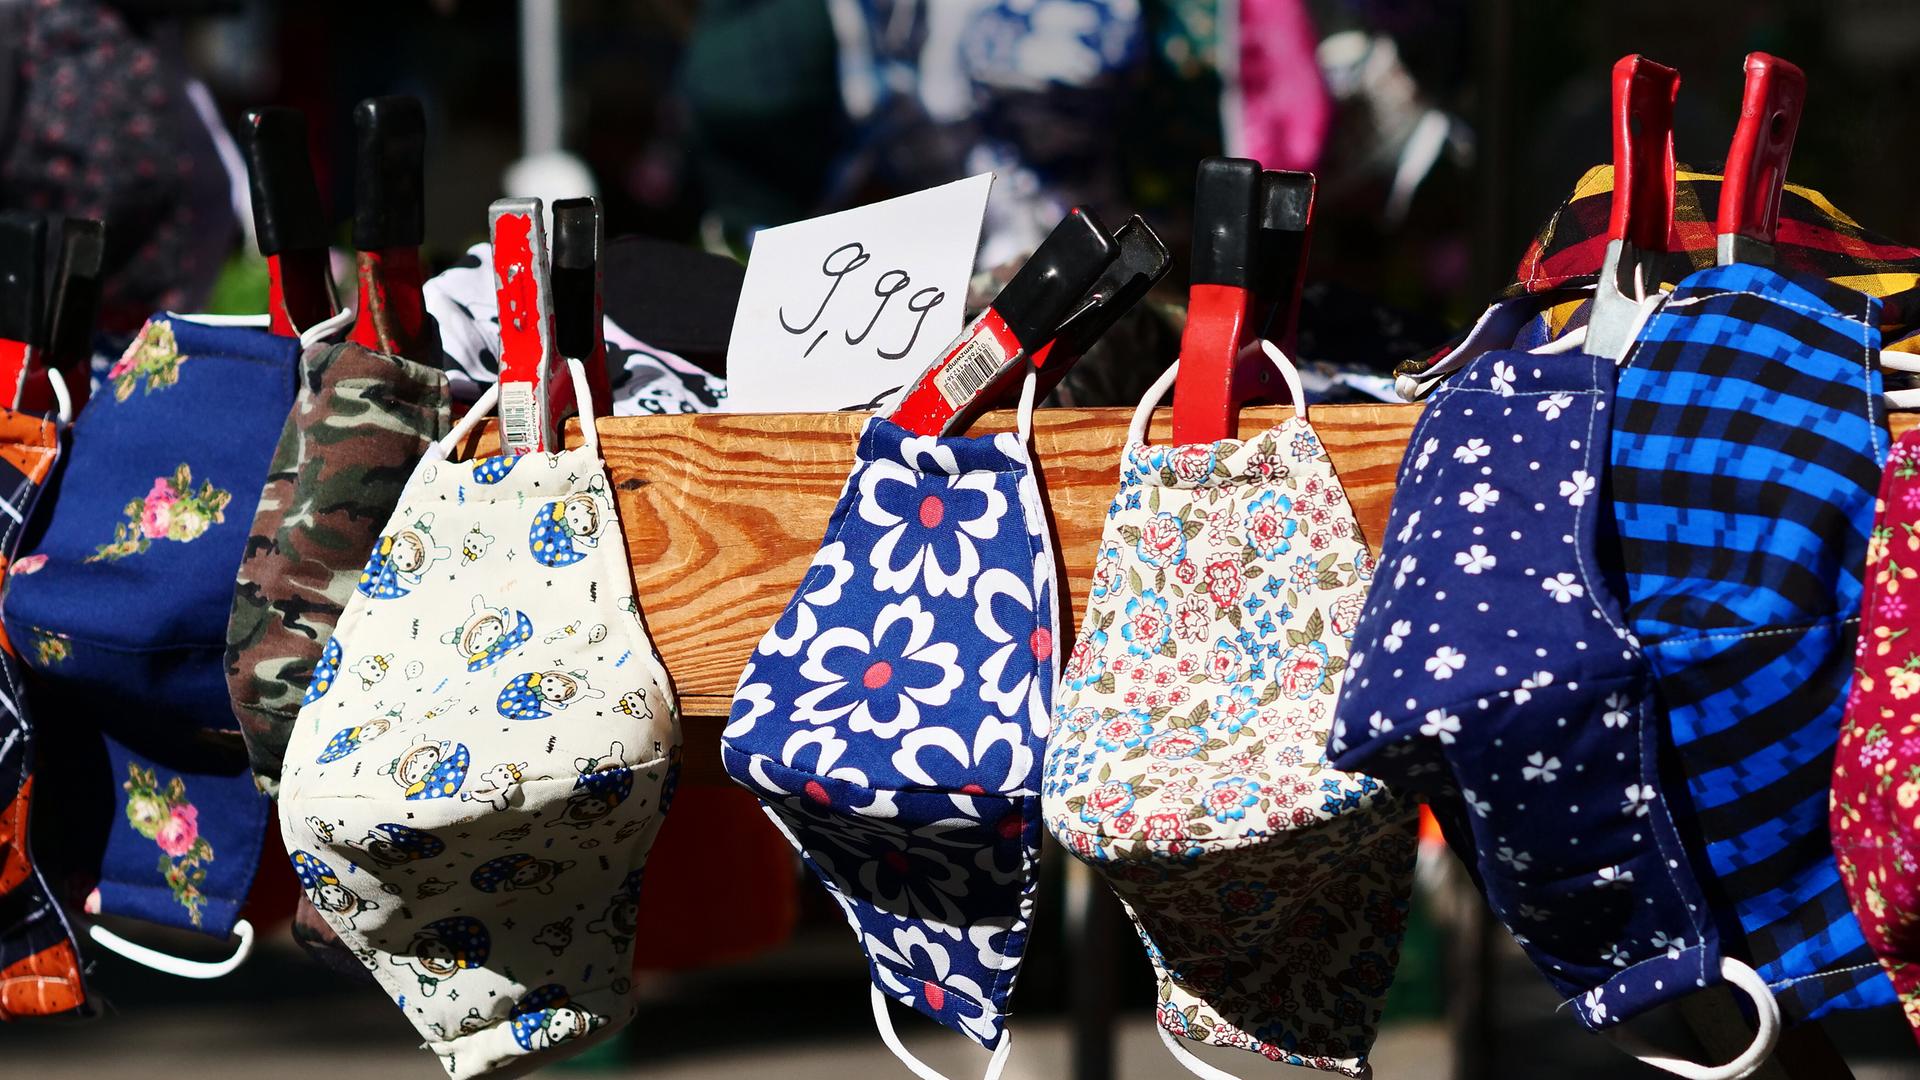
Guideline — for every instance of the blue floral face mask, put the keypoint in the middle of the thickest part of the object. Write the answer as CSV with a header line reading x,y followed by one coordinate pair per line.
x,y
891,721
122,624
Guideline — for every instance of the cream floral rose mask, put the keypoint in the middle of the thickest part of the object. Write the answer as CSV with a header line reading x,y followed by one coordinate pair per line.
x,y
1187,761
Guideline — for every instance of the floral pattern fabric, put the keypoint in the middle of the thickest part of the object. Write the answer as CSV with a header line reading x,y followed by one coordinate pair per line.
x,y
163,814
892,719
1188,760
127,585
152,362
1875,809
171,510
463,843
1493,677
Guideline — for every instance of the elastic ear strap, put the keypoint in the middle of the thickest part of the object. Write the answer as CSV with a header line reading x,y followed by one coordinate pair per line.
x,y
1567,342
995,1064
1137,431
1289,373
1143,413
485,406
327,327
62,397
1028,390
583,400
169,964
1765,1008
1187,1059
472,420
1648,305
1903,399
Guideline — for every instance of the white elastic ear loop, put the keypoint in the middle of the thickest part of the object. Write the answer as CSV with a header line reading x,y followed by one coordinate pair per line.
x,y
583,400
326,327
1143,413
1288,373
1909,363
921,1069
169,964
1765,1008
63,398
1188,1060
485,406
472,420
1028,390
1568,342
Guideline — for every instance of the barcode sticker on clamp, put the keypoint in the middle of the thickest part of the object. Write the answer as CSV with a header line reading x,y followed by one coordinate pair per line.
x,y
972,367
519,418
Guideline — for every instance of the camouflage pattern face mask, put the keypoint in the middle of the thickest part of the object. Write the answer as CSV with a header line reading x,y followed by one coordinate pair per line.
x,y
360,422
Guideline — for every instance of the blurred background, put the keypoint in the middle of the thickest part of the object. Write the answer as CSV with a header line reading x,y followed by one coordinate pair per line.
x,y
1445,133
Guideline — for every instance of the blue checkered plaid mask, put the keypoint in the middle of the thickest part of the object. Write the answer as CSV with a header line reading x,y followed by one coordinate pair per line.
x,y
1493,676
892,719
1747,448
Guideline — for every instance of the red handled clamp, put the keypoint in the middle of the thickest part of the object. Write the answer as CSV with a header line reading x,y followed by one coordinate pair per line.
x,y
1143,261
73,311
1250,243
1642,218
577,331
990,355
288,221
1770,107
532,400
389,223
23,256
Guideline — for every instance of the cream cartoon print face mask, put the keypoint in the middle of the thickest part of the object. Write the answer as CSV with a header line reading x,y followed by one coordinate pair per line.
x,y
484,767
1188,764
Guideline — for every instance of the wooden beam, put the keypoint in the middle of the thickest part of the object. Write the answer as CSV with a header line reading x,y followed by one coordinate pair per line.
x,y
723,511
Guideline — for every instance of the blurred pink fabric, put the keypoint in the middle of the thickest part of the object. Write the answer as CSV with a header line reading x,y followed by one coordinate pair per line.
x,y
1285,107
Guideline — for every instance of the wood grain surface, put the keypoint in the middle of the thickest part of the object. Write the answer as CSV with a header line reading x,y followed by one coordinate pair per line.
x,y
723,512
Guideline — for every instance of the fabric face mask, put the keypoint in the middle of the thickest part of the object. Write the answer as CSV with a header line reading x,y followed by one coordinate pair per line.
x,y
1187,762
151,810
474,821
359,422
1875,813
39,962
891,720
1747,447
1494,678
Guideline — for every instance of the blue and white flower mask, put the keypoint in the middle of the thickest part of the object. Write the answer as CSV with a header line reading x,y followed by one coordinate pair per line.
x,y
892,718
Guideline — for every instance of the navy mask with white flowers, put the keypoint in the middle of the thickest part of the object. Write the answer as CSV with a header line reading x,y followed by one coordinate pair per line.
x,y
892,719
1495,678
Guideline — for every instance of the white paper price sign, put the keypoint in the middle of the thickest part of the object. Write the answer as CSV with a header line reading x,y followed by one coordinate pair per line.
x,y
839,311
